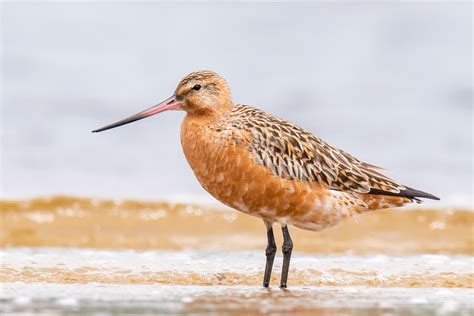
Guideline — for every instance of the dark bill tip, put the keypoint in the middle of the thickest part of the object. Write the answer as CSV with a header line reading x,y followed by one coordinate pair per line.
x,y
169,104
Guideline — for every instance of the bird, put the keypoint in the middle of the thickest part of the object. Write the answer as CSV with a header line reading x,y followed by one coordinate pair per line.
x,y
267,167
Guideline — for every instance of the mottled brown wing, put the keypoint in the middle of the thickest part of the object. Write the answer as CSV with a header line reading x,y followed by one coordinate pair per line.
x,y
295,154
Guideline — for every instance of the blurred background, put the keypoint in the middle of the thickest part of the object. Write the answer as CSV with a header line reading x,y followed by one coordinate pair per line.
x,y
88,219
390,83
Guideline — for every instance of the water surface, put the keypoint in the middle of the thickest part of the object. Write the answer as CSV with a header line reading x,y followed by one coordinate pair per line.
x,y
81,256
97,299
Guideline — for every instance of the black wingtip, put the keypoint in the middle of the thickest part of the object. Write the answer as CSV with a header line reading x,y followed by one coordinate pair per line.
x,y
410,192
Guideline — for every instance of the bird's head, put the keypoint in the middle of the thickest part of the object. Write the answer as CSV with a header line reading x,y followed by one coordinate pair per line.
x,y
199,93
203,92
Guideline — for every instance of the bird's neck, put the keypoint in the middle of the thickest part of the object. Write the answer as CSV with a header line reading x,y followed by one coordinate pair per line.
x,y
208,115
201,138
204,125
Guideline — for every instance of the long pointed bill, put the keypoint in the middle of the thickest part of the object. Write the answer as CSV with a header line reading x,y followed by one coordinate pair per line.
x,y
168,104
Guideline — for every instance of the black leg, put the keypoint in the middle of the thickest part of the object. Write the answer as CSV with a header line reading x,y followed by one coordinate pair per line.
x,y
270,253
286,249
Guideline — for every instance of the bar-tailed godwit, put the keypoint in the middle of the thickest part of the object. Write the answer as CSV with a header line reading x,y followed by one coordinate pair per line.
x,y
267,167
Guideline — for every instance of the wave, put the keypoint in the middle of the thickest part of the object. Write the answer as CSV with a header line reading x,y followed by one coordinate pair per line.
x,y
210,268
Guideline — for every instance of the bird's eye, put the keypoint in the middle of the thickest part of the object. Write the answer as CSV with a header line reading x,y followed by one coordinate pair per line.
x,y
197,87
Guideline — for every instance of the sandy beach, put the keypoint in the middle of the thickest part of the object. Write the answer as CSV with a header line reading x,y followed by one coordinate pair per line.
x,y
81,256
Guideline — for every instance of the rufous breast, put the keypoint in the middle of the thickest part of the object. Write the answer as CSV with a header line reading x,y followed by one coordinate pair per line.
x,y
224,166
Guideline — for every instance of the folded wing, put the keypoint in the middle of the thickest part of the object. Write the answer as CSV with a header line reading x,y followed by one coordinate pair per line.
x,y
295,154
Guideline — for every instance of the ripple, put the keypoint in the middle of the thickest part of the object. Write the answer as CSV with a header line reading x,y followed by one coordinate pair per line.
x,y
88,266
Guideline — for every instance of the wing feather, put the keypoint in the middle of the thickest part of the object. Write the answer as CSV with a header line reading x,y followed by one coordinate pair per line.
x,y
291,152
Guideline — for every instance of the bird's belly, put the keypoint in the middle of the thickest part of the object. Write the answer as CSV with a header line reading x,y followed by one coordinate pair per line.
x,y
233,177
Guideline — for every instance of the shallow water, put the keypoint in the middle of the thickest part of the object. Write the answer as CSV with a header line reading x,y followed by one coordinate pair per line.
x,y
98,299
69,265
82,256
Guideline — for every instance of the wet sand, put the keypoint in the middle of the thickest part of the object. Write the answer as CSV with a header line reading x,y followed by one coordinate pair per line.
x,y
92,223
81,256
